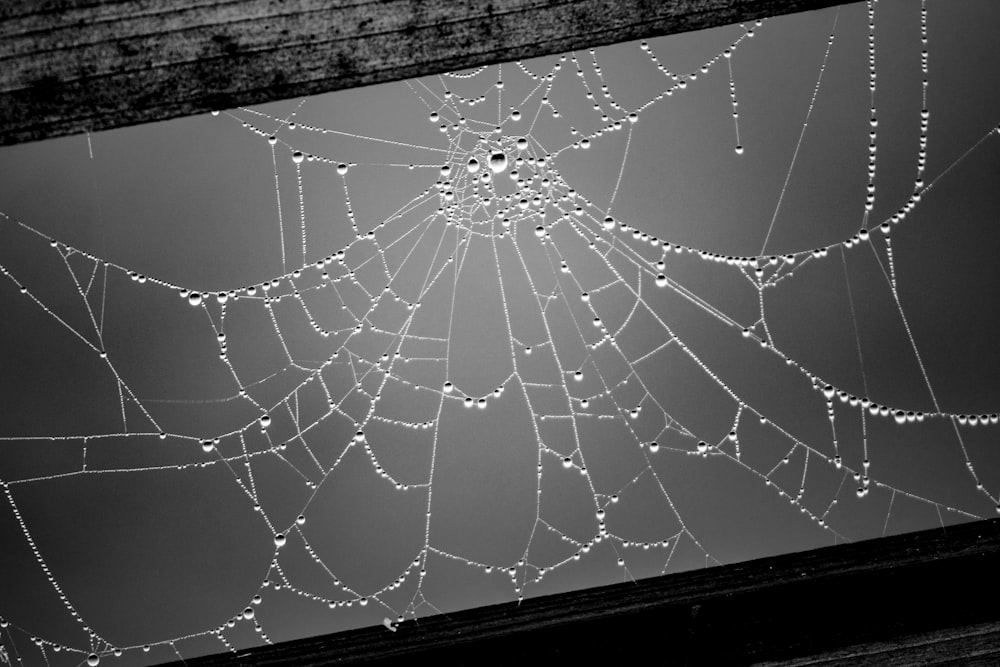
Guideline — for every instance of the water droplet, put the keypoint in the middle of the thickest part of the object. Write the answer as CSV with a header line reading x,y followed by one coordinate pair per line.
x,y
498,162
279,540
359,436
515,115
297,157
248,613
567,462
341,168
739,150
661,280
473,165
265,421
194,298
539,231
522,143
93,660
207,446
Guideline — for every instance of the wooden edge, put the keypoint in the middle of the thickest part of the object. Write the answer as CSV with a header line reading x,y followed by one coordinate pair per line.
x,y
910,594
113,64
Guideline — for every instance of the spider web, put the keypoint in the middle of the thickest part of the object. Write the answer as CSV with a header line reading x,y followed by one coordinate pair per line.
x,y
499,355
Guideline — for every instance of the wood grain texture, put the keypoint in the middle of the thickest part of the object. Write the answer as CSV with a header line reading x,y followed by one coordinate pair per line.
x,y
919,598
68,66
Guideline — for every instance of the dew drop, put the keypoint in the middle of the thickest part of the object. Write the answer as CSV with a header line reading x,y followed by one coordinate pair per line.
x,y
661,280
297,157
265,421
498,162
341,168
194,298
279,540
473,165
207,446
93,660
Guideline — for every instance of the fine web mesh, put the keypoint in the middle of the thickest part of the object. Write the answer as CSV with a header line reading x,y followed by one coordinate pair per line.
x,y
392,352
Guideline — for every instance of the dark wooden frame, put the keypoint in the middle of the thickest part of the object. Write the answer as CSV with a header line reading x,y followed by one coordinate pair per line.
x,y
69,66
917,598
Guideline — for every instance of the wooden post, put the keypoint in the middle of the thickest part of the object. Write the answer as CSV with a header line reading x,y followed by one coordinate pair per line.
x,y
917,598
68,67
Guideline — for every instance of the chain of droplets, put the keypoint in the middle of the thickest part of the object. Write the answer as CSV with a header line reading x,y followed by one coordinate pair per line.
x,y
607,336
207,445
467,399
900,416
875,409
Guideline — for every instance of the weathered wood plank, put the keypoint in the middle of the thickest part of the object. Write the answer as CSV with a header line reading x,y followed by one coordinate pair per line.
x,y
926,597
67,66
